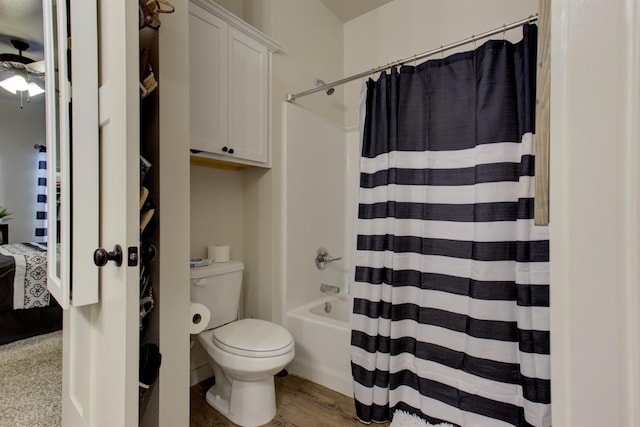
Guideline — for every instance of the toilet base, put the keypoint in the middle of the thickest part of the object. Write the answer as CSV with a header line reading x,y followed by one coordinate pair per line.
x,y
246,403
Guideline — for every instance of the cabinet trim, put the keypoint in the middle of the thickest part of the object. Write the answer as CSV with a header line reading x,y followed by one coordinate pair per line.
x,y
238,23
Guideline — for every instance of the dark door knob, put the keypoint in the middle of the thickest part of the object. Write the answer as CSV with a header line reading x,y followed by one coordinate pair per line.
x,y
225,149
230,150
101,256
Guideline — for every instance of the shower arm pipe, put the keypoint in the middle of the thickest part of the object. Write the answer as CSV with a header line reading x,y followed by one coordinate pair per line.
x,y
533,18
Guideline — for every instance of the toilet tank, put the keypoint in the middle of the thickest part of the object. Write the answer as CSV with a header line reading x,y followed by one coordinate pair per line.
x,y
218,287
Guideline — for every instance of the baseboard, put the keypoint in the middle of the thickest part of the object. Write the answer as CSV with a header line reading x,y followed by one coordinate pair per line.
x,y
200,374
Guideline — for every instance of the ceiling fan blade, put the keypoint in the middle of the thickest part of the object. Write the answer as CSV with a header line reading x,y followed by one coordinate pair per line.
x,y
5,73
36,67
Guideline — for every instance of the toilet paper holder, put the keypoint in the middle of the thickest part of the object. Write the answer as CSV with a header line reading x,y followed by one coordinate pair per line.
x,y
323,258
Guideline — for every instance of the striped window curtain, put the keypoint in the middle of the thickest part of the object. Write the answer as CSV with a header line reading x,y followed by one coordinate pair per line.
x,y
451,293
41,195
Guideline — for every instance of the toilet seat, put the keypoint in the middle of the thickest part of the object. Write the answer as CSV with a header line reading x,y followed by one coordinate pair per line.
x,y
253,338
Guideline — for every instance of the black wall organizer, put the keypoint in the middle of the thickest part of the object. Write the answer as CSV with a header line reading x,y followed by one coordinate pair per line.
x,y
150,357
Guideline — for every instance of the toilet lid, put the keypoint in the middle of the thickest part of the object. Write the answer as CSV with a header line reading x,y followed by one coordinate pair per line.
x,y
253,338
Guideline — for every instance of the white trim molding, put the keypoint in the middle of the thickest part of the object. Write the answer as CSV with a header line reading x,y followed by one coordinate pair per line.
x,y
595,204
238,23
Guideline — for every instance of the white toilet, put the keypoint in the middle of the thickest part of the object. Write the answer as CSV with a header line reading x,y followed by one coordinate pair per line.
x,y
244,354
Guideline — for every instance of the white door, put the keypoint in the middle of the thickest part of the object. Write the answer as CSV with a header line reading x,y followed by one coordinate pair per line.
x,y
100,319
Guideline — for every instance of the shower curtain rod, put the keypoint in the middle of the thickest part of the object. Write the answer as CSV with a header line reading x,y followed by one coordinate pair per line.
x,y
472,39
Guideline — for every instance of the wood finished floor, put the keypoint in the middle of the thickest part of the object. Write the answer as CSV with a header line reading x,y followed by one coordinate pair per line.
x,y
301,403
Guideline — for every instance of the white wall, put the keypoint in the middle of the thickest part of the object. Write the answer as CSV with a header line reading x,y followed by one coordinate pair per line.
x,y
595,221
174,218
236,7
217,208
20,129
404,28
312,46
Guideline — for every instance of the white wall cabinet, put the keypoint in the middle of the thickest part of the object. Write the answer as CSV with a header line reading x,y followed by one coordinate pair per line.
x,y
230,87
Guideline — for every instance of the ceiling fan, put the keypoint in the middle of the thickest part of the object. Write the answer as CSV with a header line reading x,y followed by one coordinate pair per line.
x,y
19,73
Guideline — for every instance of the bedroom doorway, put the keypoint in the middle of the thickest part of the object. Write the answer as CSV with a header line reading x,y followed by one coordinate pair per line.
x,y
26,308
30,319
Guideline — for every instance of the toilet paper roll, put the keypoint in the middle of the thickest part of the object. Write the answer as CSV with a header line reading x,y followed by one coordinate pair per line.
x,y
200,317
218,253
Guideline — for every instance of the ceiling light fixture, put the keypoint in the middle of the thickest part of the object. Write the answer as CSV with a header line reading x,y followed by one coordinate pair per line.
x,y
20,81
34,89
15,83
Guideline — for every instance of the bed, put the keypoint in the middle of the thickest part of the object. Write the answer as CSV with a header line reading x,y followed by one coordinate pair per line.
x,y
26,307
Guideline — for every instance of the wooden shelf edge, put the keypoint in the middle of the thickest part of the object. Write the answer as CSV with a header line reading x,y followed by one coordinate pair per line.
x,y
542,131
218,164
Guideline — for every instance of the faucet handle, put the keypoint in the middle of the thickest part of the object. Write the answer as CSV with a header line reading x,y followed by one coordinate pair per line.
x,y
323,258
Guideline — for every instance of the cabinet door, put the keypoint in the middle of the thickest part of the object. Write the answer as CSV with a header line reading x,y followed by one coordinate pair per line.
x,y
208,77
248,97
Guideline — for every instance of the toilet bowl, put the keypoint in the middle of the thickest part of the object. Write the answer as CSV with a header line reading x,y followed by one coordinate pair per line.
x,y
245,355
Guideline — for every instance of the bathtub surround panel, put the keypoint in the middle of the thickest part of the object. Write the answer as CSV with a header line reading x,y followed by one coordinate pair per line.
x,y
451,309
315,204
316,216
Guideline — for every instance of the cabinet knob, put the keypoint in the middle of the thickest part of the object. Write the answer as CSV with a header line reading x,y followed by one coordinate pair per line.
x,y
225,149
101,256
230,150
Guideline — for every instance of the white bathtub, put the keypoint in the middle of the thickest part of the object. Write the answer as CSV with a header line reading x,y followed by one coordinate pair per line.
x,y
323,336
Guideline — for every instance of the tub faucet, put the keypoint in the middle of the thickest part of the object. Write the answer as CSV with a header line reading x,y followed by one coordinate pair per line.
x,y
329,289
323,258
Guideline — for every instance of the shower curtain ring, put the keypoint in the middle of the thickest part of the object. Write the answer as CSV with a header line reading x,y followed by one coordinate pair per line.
x,y
441,53
473,37
504,33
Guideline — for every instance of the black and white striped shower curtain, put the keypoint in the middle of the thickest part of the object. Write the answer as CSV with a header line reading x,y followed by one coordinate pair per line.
x,y
41,197
451,292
